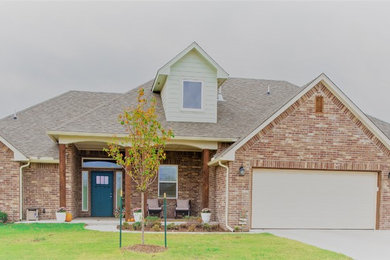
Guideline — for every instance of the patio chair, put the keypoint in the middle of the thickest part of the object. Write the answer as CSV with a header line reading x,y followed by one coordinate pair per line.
x,y
153,207
183,206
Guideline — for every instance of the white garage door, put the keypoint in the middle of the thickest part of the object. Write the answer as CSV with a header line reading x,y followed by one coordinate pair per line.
x,y
313,199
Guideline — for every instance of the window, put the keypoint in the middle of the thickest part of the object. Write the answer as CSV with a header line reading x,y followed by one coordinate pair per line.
x,y
118,188
167,181
84,190
192,95
100,163
319,104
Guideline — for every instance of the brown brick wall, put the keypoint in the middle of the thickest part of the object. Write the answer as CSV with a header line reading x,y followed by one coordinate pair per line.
x,y
41,189
73,180
300,138
189,181
9,183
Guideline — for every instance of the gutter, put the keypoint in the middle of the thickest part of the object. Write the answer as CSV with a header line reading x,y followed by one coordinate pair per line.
x,y
226,196
21,189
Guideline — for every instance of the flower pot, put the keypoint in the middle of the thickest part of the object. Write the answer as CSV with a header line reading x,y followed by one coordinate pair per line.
x,y
60,216
137,216
206,217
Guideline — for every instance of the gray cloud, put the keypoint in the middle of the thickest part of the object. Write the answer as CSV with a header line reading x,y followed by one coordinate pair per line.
x,y
49,48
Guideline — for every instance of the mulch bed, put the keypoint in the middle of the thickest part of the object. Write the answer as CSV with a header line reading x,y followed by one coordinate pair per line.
x,y
180,228
150,249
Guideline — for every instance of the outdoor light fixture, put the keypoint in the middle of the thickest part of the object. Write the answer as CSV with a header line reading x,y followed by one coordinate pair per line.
x,y
241,171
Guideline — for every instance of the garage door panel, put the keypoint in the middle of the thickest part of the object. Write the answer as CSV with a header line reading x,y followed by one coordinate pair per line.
x,y
313,199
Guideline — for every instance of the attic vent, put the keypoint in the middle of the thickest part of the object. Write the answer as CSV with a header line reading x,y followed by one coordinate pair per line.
x,y
319,104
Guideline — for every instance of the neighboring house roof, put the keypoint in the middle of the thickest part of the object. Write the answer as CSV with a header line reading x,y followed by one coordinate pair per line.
x,y
379,128
246,107
28,133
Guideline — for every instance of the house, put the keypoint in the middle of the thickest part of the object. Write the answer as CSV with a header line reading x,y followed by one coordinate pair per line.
x,y
258,153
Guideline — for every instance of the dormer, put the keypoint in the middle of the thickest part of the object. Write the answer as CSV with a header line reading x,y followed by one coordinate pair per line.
x,y
188,85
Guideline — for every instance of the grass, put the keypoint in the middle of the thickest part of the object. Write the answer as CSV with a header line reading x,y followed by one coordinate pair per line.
x,y
72,241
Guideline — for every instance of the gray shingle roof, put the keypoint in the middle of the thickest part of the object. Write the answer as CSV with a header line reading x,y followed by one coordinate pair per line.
x,y
247,105
28,132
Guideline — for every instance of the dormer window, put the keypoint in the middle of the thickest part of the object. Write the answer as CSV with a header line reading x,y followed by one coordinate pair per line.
x,y
192,94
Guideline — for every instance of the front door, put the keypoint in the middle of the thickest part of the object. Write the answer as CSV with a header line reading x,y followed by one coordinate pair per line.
x,y
102,190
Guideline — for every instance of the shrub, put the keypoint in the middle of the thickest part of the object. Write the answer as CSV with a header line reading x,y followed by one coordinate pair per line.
x,y
206,227
3,217
214,227
150,221
184,226
61,210
136,225
206,210
237,229
156,227
194,220
126,225
192,228
173,226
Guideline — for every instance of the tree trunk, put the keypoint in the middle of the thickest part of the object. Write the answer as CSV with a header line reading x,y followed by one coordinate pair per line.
x,y
142,219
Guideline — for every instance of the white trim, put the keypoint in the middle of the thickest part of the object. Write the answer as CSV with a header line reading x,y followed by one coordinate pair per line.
x,y
229,155
116,183
177,181
165,70
18,156
201,96
98,159
82,193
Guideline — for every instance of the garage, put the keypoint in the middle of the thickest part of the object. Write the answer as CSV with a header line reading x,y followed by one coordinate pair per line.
x,y
313,199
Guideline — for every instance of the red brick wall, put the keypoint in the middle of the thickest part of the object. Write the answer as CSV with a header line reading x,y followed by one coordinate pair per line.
x,y
189,181
41,189
300,138
73,180
9,183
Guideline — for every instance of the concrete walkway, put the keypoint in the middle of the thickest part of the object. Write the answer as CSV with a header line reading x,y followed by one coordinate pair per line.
x,y
358,244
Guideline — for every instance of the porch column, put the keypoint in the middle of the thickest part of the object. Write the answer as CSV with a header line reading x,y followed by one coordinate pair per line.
x,y
205,178
62,173
127,192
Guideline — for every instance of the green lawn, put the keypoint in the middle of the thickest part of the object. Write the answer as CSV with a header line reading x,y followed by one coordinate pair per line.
x,y
72,241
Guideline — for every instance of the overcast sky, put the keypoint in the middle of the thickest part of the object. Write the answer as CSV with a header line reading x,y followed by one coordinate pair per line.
x,y
49,48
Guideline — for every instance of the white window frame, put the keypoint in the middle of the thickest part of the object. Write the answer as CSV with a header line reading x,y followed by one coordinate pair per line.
x,y
177,181
201,95
116,195
82,193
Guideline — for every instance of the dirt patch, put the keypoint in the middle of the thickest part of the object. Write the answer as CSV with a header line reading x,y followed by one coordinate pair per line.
x,y
150,249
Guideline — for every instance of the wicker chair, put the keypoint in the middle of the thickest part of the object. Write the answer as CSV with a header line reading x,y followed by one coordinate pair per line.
x,y
153,207
183,206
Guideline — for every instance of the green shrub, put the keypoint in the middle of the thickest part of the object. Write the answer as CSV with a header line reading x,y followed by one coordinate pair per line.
x,y
183,226
173,226
136,226
206,227
3,217
126,225
150,221
214,227
237,229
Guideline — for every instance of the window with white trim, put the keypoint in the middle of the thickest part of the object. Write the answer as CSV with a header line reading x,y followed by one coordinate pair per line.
x,y
167,181
192,94
84,190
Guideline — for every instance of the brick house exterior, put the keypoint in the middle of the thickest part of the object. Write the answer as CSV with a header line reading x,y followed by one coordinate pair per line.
x,y
290,134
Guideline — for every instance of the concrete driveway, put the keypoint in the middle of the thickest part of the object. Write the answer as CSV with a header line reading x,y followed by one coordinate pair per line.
x,y
358,244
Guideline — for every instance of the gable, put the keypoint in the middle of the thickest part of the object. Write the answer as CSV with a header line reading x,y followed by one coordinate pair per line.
x,y
361,119
303,135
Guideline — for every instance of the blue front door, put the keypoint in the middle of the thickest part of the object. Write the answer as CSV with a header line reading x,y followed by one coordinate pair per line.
x,y
102,190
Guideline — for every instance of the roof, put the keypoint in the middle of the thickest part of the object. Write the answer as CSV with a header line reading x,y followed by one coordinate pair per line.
x,y
247,105
379,128
27,134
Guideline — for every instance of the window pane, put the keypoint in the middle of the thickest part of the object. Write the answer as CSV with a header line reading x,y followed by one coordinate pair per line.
x,y
84,185
169,189
192,95
100,164
118,188
97,179
167,173
105,179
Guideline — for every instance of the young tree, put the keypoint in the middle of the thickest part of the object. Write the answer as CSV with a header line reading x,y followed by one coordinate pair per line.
x,y
145,142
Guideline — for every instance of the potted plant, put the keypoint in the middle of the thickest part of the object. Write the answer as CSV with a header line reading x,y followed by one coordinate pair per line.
x,y
61,214
206,214
137,213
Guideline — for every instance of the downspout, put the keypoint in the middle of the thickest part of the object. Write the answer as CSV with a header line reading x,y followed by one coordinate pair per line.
x,y
21,189
226,196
